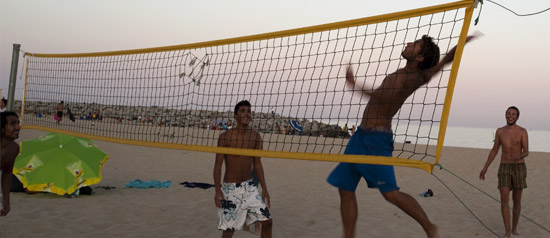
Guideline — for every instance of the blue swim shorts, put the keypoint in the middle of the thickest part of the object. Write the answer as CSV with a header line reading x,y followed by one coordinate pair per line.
x,y
366,142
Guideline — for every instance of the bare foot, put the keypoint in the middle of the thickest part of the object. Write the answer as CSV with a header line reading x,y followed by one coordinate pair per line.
x,y
433,232
515,233
507,235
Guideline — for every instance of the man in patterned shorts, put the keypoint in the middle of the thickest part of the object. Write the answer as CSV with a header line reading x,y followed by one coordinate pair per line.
x,y
512,172
237,198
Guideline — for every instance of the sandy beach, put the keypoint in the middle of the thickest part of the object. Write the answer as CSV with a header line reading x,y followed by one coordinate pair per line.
x,y
303,204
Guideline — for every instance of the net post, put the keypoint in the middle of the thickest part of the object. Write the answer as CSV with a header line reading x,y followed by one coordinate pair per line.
x,y
452,81
24,91
13,76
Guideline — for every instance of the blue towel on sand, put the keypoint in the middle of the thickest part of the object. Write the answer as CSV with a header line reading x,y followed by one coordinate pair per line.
x,y
148,184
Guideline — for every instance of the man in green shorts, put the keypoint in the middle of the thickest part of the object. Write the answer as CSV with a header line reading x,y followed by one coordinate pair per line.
x,y
512,172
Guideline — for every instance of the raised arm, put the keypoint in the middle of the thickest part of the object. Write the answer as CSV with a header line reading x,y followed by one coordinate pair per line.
x,y
492,155
449,57
350,84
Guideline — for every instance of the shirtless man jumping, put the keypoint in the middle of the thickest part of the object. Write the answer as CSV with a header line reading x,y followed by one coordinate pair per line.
x,y
374,136
238,198
512,172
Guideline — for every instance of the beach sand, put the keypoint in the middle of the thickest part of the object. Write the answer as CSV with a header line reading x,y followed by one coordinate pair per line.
x,y
303,204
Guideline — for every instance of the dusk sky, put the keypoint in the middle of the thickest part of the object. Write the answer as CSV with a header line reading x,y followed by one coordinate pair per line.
x,y
507,66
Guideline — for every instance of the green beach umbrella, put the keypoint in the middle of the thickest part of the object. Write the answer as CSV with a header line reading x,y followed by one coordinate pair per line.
x,y
59,163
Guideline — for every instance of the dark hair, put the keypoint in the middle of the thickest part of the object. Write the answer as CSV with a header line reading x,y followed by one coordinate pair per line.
x,y
430,52
4,117
5,101
240,104
515,108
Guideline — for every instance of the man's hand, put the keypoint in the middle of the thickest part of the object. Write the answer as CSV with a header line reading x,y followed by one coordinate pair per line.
x,y
451,54
350,78
349,73
265,197
482,174
218,198
350,84
5,208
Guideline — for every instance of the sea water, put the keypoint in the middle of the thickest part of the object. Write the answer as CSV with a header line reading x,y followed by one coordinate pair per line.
x,y
458,136
469,137
483,138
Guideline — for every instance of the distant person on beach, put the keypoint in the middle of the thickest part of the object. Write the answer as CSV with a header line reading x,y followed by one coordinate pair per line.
x,y
374,136
3,104
512,172
59,114
10,149
237,198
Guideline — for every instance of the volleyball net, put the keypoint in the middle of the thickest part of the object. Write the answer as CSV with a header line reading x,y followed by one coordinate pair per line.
x,y
183,96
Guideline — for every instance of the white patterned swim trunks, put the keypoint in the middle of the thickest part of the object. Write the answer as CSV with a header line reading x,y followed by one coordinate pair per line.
x,y
242,203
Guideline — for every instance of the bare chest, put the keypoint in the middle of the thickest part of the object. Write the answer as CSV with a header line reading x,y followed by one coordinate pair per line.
x,y
246,141
510,139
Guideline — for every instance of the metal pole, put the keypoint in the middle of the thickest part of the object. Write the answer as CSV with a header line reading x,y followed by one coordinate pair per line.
x,y
13,76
